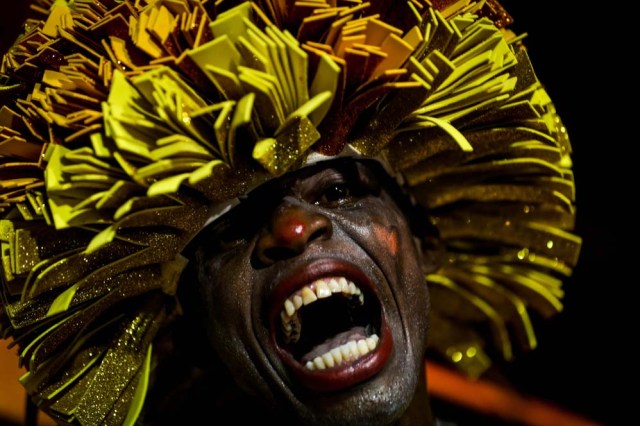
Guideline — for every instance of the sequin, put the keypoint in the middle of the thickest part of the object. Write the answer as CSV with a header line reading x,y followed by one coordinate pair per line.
x,y
113,153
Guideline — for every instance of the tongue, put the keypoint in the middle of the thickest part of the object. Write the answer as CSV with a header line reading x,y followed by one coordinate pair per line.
x,y
354,334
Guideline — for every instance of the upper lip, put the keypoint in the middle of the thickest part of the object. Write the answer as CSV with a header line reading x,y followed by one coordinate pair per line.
x,y
349,373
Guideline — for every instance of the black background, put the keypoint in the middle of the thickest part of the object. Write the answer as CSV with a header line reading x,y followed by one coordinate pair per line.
x,y
585,360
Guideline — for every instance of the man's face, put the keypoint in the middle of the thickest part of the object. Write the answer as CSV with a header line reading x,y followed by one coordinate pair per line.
x,y
315,296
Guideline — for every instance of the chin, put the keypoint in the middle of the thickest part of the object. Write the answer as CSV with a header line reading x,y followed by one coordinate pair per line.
x,y
380,401
373,386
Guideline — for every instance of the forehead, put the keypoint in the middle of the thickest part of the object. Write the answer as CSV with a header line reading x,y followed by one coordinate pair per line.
x,y
303,182
347,169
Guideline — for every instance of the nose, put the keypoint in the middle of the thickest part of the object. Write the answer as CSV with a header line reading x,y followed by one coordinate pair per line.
x,y
290,230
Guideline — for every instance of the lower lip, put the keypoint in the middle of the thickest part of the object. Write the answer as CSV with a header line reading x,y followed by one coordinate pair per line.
x,y
345,375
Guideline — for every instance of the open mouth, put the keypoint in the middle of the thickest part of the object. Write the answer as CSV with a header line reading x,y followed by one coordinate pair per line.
x,y
330,329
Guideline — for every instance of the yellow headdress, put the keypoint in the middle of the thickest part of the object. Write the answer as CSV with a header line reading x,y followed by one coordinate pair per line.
x,y
123,122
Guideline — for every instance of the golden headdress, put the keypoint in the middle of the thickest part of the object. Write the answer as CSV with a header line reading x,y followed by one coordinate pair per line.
x,y
123,122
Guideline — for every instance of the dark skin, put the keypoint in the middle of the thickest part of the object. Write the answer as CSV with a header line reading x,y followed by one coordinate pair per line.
x,y
356,354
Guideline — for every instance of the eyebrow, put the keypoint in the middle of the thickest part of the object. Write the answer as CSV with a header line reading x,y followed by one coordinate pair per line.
x,y
274,189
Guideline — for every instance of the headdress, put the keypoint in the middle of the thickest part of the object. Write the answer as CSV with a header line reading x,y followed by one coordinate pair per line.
x,y
123,122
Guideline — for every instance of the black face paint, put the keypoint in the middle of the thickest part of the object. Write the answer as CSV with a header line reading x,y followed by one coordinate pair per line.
x,y
316,231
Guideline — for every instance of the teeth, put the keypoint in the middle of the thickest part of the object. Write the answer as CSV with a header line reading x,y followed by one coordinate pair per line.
x,y
328,359
308,296
322,290
289,307
371,342
363,347
345,351
350,351
319,289
318,363
353,349
337,355
290,326
344,285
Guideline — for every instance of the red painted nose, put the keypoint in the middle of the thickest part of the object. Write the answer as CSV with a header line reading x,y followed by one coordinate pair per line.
x,y
290,230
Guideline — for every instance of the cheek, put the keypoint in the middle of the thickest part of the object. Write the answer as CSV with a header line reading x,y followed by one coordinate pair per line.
x,y
226,300
228,284
226,304
387,237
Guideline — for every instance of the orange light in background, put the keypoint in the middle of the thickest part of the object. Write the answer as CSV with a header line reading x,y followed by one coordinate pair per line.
x,y
12,395
490,399
480,396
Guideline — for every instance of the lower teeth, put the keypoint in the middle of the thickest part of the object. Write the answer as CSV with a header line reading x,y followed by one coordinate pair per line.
x,y
347,352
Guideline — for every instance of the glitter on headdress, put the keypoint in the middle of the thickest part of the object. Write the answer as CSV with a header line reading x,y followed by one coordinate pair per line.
x,y
123,122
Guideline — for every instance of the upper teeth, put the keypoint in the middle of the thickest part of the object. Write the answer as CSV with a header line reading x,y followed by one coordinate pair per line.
x,y
319,289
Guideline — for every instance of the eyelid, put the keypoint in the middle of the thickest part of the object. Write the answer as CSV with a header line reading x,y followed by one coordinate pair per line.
x,y
320,186
349,192
226,233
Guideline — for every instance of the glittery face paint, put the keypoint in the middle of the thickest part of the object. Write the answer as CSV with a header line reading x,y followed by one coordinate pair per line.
x,y
309,305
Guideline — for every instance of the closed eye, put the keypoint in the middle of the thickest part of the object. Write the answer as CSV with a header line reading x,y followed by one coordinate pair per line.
x,y
229,239
236,228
